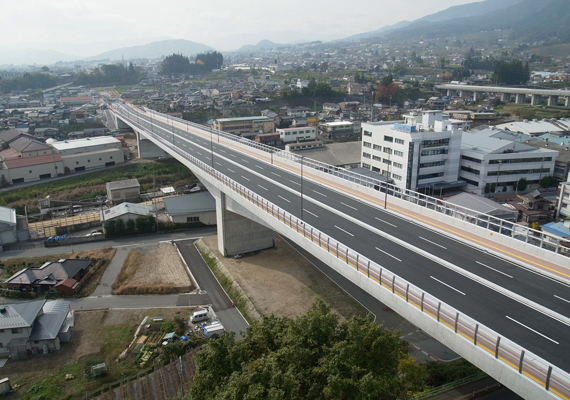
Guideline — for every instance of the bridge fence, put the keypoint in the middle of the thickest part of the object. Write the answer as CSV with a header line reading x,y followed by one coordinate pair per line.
x,y
525,234
527,364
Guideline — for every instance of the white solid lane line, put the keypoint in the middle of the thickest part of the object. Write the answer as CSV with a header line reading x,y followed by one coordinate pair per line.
x,y
314,215
381,220
496,270
558,297
347,232
449,286
246,178
264,188
324,195
532,330
288,201
433,243
346,205
388,254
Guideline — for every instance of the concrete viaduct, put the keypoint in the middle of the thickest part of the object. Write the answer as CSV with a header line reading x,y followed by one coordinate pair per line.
x,y
506,93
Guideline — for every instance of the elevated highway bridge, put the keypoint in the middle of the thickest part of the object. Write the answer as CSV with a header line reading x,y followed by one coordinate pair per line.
x,y
496,293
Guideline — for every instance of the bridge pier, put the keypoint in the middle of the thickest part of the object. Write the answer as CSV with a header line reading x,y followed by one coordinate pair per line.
x,y
476,96
552,101
147,149
505,97
238,234
520,98
121,125
535,99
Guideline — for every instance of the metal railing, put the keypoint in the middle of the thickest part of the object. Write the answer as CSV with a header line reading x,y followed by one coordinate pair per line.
x,y
519,232
527,364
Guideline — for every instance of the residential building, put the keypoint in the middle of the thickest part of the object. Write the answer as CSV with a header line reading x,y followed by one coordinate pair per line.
x,y
244,125
46,277
297,134
537,127
35,327
72,101
421,156
482,208
8,226
494,161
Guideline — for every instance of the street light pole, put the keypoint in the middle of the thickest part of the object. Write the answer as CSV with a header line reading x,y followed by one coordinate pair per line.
x,y
211,149
302,162
387,180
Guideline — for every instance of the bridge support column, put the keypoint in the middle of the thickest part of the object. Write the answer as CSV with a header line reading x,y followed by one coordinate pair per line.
x,y
450,93
552,101
476,96
237,234
505,97
520,98
121,125
147,149
535,99
567,102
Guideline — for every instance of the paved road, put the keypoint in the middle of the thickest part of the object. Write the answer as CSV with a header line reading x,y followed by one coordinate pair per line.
x,y
431,261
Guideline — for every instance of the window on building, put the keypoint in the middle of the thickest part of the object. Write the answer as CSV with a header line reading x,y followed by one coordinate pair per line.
x,y
397,177
376,147
88,160
77,162
435,143
366,144
30,171
367,133
387,150
388,138
99,158
467,158
366,155
192,219
399,141
374,169
364,165
386,161
376,158
399,153
432,164
16,330
397,165
470,170
111,157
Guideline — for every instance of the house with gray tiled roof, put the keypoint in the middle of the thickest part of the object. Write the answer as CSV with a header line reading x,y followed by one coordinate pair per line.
x,y
35,327
48,275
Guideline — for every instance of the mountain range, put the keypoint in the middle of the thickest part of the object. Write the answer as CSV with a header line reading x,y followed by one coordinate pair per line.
x,y
528,20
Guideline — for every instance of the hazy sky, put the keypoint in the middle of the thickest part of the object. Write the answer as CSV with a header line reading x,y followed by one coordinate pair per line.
x,y
85,27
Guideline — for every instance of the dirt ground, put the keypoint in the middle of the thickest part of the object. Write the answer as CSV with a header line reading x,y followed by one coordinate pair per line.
x,y
155,266
282,282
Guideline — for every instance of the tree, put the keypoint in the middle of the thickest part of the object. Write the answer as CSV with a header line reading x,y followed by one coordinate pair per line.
x,y
130,227
310,357
175,64
521,185
547,181
145,224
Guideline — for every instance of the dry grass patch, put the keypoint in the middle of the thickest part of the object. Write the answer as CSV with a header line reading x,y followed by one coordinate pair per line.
x,y
159,270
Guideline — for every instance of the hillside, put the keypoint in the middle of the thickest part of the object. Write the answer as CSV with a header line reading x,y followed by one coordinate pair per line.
x,y
263,45
463,11
529,20
154,50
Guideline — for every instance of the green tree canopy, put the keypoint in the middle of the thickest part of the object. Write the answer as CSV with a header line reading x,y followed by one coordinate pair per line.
x,y
310,357
36,80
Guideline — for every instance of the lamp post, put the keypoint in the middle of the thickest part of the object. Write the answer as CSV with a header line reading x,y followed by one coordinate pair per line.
x,y
387,180
211,149
302,162
498,173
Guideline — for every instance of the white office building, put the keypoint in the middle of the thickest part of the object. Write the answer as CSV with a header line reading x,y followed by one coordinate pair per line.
x,y
422,153
493,161
301,134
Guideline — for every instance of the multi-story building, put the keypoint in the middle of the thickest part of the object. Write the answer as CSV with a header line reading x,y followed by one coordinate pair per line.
x,y
420,154
340,129
493,160
563,200
244,125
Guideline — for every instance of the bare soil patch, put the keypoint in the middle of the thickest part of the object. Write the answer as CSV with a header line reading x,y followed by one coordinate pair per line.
x,y
153,270
280,281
